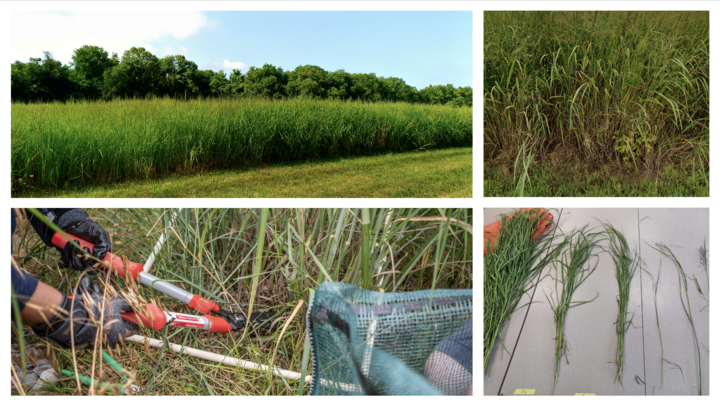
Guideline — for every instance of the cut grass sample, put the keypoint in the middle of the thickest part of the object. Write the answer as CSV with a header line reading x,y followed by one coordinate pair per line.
x,y
682,278
655,285
571,269
512,268
59,145
438,173
626,263
624,89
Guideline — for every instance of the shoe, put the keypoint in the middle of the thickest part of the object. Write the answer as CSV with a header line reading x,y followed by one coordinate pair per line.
x,y
39,370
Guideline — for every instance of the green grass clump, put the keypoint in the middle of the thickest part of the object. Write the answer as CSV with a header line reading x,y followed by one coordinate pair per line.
x,y
626,263
511,270
268,258
59,145
572,272
623,88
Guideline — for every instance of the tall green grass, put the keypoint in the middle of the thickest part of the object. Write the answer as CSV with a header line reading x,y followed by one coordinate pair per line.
x,y
57,145
622,86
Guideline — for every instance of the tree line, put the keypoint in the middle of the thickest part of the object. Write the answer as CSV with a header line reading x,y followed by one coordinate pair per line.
x,y
94,75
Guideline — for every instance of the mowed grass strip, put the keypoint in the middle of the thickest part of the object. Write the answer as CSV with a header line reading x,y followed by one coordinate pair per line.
x,y
61,145
445,173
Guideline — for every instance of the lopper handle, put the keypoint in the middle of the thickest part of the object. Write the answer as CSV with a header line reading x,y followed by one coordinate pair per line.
x,y
110,261
203,305
217,324
115,263
154,319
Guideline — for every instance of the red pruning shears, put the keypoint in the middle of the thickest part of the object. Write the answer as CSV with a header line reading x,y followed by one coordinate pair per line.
x,y
157,318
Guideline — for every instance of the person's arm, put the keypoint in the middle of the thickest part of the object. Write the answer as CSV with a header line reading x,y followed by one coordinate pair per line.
x,y
41,306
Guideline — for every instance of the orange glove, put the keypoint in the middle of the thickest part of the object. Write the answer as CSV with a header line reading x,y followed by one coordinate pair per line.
x,y
493,230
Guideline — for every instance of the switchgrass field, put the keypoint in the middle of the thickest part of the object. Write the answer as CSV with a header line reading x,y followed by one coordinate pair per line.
x,y
222,255
625,94
55,145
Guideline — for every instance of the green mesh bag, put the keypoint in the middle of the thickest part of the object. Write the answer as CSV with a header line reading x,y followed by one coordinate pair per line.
x,y
370,343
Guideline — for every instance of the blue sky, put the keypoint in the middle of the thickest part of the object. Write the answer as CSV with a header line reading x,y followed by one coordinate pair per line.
x,y
421,47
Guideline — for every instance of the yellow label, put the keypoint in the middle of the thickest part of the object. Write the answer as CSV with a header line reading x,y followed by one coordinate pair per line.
x,y
589,395
524,391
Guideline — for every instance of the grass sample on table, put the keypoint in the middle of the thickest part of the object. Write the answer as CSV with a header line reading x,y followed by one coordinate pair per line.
x,y
57,145
682,278
574,268
627,90
704,263
655,285
626,263
512,266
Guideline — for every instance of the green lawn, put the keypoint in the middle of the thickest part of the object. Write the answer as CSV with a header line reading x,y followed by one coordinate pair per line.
x,y
422,174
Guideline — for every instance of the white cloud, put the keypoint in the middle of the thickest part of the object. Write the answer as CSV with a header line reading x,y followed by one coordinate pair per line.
x,y
116,31
228,66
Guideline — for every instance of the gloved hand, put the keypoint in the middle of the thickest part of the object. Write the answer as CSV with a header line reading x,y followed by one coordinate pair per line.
x,y
76,222
88,310
492,231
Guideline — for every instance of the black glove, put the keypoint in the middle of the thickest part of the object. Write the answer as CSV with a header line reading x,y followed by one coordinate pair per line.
x,y
85,310
76,222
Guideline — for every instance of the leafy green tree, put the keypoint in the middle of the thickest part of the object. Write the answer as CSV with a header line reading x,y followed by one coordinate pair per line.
x,y
43,79
398,90
437,94
338,85
89,64
219,84
307,81
116,82
236,82
179,77
463,97
19,83
365,86
142,72
92,74
268,81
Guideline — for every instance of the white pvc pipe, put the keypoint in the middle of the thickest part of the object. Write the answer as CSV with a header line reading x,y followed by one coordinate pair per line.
x,y
151,259
230,361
